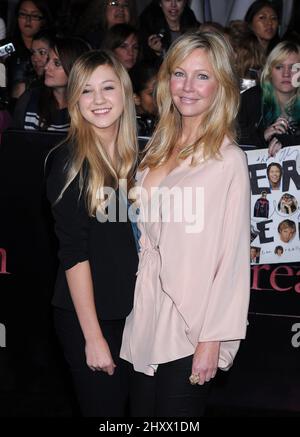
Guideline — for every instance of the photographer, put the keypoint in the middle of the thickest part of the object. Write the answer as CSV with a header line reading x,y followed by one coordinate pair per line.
x,y
161,23
270,113
30,17
5,118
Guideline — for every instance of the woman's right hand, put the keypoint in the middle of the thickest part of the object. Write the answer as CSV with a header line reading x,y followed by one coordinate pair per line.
x,y
279,127
98,356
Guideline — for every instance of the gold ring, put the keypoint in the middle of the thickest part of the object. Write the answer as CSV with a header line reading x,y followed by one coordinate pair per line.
x,y
194,379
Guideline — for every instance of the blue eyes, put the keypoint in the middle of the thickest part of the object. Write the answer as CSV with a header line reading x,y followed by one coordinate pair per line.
x,y
200,76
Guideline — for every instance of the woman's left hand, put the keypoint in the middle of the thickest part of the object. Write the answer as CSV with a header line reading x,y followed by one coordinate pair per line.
x,y
205,361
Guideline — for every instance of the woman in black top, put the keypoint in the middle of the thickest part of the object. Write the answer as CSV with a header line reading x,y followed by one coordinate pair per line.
x,y
263,19
45,107
98,256
30,17
269,115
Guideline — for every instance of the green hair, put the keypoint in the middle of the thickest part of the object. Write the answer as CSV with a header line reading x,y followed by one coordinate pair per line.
x,y
271,109
270,105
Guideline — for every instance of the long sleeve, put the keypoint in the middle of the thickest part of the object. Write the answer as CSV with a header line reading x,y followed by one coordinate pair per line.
x,y
70,215
20,110
227,308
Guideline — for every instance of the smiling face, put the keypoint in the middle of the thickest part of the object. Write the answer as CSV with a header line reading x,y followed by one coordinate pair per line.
x,y
274,175
101,102
282,74
127,52
265,24
117,12
172,10
193,86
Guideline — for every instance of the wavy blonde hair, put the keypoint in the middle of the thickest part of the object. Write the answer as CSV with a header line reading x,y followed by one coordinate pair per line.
x,y
87,148
218,121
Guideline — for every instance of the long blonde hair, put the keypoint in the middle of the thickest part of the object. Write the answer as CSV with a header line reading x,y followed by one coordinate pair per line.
x,y
86,145
217,122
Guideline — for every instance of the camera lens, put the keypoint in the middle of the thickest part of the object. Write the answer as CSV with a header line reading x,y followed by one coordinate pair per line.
x,y
8,49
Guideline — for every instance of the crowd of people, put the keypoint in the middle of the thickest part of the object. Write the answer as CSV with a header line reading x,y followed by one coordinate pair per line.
x,y
141,43
139,314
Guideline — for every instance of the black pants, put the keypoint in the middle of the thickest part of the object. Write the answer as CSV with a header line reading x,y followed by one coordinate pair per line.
x,y
99,395
168,393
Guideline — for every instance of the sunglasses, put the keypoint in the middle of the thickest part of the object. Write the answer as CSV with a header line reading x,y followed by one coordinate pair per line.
x,y
117,4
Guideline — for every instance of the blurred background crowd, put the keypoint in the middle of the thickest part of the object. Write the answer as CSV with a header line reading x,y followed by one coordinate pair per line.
x,y
49,35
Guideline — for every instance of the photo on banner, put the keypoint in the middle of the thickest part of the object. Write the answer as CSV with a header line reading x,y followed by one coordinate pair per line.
x,y
275,205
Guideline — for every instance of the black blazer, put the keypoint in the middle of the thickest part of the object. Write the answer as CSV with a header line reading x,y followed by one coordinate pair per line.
x,y
109,247
251,128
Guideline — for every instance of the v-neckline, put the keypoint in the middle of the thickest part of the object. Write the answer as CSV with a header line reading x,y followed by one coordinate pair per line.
x,y
147,170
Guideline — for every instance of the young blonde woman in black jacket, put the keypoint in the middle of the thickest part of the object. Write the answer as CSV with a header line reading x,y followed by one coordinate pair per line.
x,y
98,256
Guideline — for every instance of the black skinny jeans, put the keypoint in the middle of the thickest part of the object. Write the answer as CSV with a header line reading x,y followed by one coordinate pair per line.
x,y
168,393
98,394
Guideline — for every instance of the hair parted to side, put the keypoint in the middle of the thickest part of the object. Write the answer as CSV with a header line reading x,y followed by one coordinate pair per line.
x,y
271,107
86,143
218,121
67,49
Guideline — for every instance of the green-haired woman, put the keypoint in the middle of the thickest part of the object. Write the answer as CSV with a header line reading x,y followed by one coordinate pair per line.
x,y
270,113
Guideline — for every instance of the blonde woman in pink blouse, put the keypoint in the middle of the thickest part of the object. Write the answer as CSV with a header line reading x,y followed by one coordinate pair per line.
x,y
193,283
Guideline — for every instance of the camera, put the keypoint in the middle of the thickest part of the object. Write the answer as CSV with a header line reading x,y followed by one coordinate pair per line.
x,y
291,130
161,33
7,49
